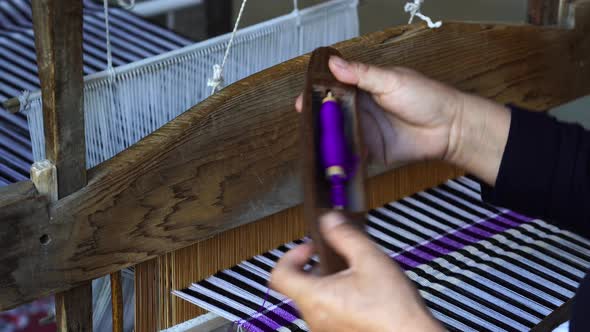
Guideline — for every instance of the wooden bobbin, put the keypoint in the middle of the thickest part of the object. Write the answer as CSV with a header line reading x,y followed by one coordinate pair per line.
x,y
319,80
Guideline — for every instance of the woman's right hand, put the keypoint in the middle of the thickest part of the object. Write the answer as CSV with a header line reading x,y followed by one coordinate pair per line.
x,y
408,117
405,116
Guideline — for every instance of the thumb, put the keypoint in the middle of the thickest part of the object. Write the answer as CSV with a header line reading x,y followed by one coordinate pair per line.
x,y
372,79
346,239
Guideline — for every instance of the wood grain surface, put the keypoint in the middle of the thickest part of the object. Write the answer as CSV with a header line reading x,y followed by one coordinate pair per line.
x,y
117,302
58,45
234,158
155,279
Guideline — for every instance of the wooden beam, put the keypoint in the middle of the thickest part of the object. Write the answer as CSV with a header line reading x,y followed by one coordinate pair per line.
x,y
23,214
58,43
544,12
11,105
234,158
147,296
16,195
73,309
117,302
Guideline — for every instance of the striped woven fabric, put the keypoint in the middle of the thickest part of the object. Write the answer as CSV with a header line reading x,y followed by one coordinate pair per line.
x,y
132,39
478,267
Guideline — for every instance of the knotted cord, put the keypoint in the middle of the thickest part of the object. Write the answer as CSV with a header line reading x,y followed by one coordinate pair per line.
x,y
126,5
217,81
108,36
413,8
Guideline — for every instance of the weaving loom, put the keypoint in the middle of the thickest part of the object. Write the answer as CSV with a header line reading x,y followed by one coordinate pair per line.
x,y
218,183
477,266
133,39
116,118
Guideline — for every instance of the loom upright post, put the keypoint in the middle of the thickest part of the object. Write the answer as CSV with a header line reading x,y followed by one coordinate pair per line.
x,y
58,41
547,12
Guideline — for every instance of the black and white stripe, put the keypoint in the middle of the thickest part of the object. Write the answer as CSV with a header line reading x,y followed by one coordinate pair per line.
x,y
132,39
509,281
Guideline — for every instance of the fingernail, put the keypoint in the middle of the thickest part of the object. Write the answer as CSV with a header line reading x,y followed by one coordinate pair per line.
x,y
339,62
331,220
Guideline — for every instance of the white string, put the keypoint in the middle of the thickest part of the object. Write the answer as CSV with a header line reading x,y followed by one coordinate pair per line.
x,y
108,35
216,83
298,23
414,9
126,5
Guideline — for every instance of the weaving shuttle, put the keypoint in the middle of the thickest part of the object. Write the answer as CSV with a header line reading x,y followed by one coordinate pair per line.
x,y
333,170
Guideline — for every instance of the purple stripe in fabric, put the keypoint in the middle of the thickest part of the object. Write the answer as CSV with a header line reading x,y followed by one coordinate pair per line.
x,y
497,224
471,234
520,216
282,309
250,327
406,261
266,321
289,309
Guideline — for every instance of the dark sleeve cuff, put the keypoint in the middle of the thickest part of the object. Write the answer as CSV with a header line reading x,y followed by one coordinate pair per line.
x,y
523,179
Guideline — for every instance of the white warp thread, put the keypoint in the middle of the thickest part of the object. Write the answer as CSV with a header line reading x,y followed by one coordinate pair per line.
x,y
125,105
216,83
413,8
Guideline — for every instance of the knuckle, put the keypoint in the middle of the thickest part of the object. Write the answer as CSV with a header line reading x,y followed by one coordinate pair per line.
x,y
363,69
399,78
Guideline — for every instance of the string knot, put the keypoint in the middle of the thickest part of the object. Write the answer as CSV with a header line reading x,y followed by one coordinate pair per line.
x,y
111,74
217,81
414,9
24,101
127,5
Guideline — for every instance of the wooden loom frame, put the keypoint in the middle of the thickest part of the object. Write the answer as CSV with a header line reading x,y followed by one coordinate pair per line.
x,y
192,190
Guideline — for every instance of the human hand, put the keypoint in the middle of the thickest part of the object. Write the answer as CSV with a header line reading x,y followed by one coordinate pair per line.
x,y
404,115
408,117
373,294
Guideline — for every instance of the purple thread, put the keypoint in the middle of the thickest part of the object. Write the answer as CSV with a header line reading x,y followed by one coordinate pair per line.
x,y
259,311
278,310
334,149
497,224
520,216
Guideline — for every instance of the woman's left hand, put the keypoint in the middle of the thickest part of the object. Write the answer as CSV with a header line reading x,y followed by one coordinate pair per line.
x,y
373,294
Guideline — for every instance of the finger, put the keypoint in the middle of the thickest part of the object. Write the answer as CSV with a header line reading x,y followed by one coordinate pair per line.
x,y
288,277
372,79
347,240
299,103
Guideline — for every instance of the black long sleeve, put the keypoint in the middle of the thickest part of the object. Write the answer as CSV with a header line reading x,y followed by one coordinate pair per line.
x,y
545,173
